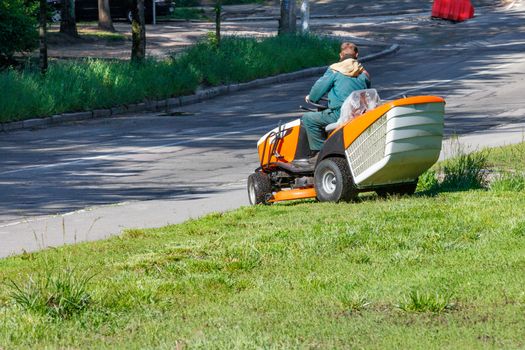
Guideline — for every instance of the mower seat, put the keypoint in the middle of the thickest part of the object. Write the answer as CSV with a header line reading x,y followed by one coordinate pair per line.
x,y
359,102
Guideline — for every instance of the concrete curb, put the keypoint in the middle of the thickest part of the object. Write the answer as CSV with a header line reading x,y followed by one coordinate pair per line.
x,y
376,14
174,102
360,15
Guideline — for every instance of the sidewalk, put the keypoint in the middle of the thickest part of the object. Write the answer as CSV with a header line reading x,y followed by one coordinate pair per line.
x,y
385,21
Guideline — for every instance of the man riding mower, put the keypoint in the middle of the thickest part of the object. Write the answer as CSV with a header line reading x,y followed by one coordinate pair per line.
x,y
371,145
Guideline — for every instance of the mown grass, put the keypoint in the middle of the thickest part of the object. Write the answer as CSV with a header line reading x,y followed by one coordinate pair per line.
x,y
90,32
440,271
88,84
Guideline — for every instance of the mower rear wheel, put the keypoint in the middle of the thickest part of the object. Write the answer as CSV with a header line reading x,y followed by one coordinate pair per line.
x,y
398,190
259,188
333,181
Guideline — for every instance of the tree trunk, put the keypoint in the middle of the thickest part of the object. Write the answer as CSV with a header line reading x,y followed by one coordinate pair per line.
x,y
218,12
287,21
104,16
42,33
138,31
68,24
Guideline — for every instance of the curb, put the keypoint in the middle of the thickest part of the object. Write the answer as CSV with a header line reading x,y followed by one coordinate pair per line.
x,y
276,18
376,14
174,102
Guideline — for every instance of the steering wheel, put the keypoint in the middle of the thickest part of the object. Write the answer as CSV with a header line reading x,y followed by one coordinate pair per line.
x,y
319,107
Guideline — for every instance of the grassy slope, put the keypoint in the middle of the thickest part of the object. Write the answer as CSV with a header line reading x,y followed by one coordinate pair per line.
x,y
298,275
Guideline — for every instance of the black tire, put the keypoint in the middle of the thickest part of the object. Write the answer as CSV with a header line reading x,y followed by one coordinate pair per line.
x,y
333,181
259,188
407,189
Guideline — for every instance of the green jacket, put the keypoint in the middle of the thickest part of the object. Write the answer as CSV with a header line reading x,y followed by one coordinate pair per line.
x,y
338,86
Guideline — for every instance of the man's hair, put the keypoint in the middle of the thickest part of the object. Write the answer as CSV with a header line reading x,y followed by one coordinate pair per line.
x,y
349,50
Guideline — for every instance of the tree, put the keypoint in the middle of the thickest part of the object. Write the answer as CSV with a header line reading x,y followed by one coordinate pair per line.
x,y
218,13
104,16
17,30
138,31
68,23
287,21
42,34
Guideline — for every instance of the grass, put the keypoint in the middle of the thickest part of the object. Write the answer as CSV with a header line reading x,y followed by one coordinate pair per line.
x,y
188,13
508,158
90,84
441,271
426,302
509,182
86,32
60,295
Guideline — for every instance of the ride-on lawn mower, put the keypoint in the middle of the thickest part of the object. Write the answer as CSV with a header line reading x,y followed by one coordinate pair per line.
x,y
381,146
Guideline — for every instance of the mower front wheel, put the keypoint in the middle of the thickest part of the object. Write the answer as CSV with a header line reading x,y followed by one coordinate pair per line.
x,y
259,188
333,181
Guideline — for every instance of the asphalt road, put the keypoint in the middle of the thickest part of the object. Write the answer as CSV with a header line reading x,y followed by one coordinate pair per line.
x,y
92,179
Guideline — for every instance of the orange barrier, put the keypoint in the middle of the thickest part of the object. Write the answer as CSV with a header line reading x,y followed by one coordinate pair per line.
x,y
454,10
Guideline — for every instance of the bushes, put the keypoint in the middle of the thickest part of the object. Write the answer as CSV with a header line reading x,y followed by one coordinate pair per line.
x,y
88,84
81,85
242,59
17,30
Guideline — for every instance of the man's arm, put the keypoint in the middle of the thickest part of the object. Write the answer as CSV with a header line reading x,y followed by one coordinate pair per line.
x,y
322,86
365,77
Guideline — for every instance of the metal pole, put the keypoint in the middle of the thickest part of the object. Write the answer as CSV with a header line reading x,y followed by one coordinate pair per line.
x,y
154,12
305,16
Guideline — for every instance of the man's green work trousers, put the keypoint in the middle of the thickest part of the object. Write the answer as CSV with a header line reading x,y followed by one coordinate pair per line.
x,y
314,123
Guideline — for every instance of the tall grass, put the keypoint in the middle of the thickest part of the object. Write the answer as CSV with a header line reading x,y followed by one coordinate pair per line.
x,y
86,84
426,302
59,294
243,59
92,83
465,171
514,182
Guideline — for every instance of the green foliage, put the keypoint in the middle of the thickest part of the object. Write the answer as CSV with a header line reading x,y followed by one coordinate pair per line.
x,y
17,29
509,182
428,181
87,84
188,13
465,170
426,302
242,59
241,2
186,3
59,294
352,302
508,157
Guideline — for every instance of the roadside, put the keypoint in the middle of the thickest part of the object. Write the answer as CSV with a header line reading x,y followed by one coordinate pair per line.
x,y
439,269
168,37
414,31
201,94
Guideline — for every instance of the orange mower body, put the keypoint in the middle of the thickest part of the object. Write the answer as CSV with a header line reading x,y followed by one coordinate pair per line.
x,y
385,150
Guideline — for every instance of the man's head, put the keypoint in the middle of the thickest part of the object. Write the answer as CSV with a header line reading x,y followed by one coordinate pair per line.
x,y
348,50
